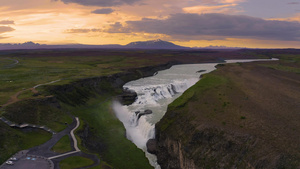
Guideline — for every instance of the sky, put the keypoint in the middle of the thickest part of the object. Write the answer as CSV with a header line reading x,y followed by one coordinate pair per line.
x,y
193,23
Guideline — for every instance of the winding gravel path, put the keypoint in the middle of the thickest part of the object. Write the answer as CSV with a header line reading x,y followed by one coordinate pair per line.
x,y
14,98
46,83
73,136
44,150
75,146
25,125
11,65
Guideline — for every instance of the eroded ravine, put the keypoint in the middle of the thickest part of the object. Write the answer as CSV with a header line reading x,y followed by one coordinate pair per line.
x,y
154,94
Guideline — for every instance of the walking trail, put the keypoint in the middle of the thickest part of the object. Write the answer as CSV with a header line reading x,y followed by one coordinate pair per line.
x,y
44,150
14,98
74,142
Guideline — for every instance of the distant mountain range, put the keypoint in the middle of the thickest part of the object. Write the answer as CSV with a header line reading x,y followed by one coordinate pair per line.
x,y
31,45
152,44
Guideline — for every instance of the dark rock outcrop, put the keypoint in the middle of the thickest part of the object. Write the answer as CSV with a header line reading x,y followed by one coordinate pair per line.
x,y
139,114
200,71
152,146
127,97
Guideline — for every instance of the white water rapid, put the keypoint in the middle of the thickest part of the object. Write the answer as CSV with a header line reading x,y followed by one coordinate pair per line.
x,y
156,93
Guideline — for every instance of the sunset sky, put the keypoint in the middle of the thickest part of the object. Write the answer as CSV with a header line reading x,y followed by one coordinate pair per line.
x,y
232,23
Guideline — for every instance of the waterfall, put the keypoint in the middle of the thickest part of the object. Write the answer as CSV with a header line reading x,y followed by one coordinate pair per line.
x,y
140,127
139,131
156,93
153,93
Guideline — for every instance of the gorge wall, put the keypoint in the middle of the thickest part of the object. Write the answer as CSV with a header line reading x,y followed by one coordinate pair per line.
x,y
78,92
234,117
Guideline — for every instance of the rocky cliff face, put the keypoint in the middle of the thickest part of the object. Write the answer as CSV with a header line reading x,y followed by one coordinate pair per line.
x,y
232,118
215,148
210,148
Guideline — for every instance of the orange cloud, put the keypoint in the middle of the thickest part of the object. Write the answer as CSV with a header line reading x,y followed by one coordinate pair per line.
x,y
295,18
7,22
221,1
231,1
228,8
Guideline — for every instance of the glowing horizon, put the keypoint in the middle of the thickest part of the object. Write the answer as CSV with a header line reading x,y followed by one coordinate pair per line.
x,y
191,23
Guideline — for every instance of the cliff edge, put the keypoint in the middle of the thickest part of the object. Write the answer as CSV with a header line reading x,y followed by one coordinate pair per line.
x,y
239,116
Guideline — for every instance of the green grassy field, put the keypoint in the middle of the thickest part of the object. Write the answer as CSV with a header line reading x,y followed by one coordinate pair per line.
x,y
41,112
4,62
32,71
207,82
63,145
26,95
287,63
75,162
14,140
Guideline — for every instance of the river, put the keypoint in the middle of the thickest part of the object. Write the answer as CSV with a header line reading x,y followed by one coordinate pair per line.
x,y
155,93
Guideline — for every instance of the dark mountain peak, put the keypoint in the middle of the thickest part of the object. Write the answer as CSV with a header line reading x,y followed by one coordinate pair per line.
x,y
30,43
154,44
157,40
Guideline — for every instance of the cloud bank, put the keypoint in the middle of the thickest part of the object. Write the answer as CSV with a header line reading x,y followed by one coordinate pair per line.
x,y
103,11
216,25
83,30
7,22
293,3
4,29
225,9
104,3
